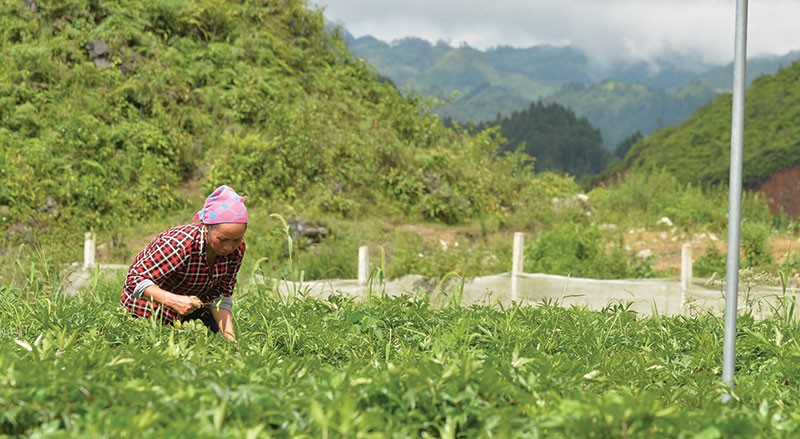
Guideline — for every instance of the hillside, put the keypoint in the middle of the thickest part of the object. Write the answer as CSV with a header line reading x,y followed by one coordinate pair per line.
x,y
112,114
620,109
698,150
119,118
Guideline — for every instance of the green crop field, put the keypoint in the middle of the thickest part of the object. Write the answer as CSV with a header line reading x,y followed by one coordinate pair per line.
x,y
387,367
264,96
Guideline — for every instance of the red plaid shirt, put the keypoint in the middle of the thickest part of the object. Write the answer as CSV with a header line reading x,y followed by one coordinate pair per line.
x,y
175,260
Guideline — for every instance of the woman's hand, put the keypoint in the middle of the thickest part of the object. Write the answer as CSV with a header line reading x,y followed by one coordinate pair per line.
x,y
231,337
184,304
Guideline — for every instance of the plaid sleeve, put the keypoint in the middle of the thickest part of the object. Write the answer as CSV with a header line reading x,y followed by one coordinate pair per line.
x,y
164,255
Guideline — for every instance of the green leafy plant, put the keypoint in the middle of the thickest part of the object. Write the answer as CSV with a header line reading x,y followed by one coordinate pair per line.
x,y
584,251
307,367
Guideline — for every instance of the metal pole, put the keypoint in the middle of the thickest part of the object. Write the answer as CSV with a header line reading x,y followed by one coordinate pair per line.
x,y
735,200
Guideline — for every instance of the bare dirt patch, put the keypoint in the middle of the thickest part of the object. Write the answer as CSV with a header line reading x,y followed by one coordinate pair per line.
x,y
666,246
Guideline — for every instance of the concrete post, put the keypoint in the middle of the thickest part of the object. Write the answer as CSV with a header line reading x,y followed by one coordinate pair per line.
x,y
363,265
89,251
516,264
686,271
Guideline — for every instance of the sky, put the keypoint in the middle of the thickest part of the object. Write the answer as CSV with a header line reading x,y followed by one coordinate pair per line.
x,y
607,30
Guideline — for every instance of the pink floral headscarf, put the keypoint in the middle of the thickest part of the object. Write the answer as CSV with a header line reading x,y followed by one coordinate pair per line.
x,y
224,205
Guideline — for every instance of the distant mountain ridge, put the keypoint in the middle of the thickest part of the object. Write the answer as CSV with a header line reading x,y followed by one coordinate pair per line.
x,y
620,99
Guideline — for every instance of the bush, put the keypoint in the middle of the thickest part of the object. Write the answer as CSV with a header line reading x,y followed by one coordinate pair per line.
x,y
710,262
584,251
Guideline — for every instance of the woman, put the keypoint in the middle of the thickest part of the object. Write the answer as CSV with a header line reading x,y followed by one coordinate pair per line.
x,y
189,272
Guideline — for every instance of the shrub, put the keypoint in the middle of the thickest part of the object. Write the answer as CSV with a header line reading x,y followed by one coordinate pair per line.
x,y
583,251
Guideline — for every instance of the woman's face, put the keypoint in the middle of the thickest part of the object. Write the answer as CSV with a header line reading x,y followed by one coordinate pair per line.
x,y
224,238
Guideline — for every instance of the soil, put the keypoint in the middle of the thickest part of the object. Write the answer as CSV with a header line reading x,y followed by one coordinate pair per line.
x,y
666,246
782,191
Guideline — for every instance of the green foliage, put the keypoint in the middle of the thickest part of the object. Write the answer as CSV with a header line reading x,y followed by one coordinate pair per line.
x,y
255,95
427,250
698,150
755,254
755,245
649,196
620,109
621,150
482,247
385,367
709,263
584,251
556,138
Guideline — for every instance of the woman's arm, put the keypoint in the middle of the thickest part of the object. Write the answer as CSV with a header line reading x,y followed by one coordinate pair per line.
x,y
224,320
182,304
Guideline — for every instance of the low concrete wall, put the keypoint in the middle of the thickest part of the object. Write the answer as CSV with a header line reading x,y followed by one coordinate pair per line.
x,y
644,296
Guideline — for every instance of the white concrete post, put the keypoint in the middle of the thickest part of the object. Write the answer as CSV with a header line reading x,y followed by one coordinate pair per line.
x,y
516,263
88,251
363,265
686,271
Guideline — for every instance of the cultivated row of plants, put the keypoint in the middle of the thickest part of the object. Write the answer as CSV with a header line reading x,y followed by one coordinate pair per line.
x,y
387,367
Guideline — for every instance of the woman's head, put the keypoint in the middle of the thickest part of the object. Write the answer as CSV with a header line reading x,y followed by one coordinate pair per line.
x,y
224,205
225,217
224,238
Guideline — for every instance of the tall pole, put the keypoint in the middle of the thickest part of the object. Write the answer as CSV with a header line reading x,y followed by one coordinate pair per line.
x,y
735,200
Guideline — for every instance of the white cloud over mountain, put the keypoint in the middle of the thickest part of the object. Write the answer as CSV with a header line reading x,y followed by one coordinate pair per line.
x,y
605,29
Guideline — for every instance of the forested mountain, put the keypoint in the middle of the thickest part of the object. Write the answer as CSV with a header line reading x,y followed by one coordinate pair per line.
x,y
619,99
557,139
698,150
721,77
620,109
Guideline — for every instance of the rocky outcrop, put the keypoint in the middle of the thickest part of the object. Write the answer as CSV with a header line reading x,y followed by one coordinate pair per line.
x,y
782,191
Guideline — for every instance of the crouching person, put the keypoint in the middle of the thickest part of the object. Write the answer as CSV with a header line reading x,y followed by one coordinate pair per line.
x,y
189,271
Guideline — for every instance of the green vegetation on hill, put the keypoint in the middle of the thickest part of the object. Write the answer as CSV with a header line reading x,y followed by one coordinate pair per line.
x,y
698,150
720,78
619,99
401,61
621,109
559,141
477,86
112,113
473,86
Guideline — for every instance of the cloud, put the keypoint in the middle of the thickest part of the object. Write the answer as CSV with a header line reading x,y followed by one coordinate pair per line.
x,y
605,29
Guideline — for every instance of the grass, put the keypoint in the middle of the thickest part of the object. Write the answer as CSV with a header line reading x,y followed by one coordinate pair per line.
x,y
386,367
